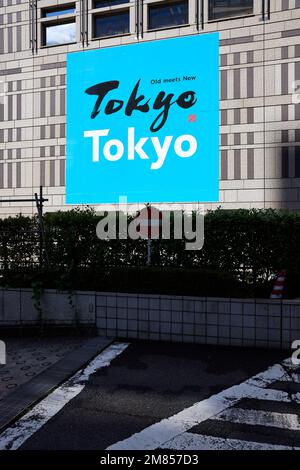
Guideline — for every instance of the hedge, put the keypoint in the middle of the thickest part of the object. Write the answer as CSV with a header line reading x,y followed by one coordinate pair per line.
x,y
242,253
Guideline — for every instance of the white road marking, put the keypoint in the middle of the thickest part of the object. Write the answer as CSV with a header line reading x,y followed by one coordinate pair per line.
x,y
13,437
294,377
260,418
189,441
274,395
157,434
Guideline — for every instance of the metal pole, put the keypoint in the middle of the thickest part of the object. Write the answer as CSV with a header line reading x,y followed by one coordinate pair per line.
x,y
40,228
149,251
3,201
41,200
263,7
39,205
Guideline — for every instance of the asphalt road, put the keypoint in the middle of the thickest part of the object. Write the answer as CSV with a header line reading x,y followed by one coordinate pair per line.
x,y
148,382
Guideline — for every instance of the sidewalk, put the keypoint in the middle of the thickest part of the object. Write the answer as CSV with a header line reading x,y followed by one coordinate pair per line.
x,y
35,367
28,357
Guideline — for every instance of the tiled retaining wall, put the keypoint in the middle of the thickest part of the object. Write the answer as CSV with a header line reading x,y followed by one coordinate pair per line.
x,y
17,308
237,322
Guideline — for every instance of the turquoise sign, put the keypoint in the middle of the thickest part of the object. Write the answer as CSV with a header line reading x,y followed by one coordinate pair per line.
x,y
143,122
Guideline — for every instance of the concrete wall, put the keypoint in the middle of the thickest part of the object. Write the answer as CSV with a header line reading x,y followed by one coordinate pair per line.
x,y
236,322
259,132
17,308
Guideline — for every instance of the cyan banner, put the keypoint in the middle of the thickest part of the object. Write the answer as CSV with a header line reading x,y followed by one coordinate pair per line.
x,y
143,122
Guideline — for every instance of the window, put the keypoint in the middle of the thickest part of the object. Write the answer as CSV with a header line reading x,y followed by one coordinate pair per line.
x,y
219,9
167,14
111,24
55,34
58,11
108,3
56,30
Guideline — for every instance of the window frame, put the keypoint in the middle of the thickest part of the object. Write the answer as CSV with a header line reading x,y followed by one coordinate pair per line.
x,y
162,4
229,18
135,27
67,6
123,3
108,14
56,20
110,11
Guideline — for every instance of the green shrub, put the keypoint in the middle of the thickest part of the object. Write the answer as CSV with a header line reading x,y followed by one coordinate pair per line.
x,y
242,253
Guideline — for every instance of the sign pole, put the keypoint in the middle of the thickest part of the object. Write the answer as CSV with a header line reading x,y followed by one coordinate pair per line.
x,y
149,251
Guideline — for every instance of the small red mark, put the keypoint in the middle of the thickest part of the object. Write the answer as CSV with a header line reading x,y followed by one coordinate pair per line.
x,y
192,118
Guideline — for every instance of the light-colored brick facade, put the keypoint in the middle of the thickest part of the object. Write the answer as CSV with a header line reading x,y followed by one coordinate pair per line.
x,y
259,132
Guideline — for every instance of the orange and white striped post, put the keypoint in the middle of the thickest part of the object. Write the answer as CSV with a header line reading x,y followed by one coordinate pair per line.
x,y
279,288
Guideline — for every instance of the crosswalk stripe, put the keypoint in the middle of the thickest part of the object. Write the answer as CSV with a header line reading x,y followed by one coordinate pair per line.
x,y
155,435
19,432
261,418
189,441
268,405
273,395
293,377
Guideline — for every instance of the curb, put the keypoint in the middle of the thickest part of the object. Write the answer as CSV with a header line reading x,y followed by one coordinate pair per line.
x,y
28,394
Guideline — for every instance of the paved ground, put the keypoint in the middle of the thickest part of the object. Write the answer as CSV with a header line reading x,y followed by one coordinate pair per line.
x,y
28,357
169,396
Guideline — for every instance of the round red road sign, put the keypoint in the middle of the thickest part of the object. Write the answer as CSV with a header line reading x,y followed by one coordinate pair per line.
x,y
150,222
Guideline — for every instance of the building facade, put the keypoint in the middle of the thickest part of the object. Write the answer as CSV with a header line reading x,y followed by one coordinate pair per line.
x,y
259,81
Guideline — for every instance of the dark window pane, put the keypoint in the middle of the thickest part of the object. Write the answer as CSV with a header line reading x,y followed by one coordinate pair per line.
x,y
297,162
111,24
47,12
60,34
285,162
219,9
108,3
168,14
